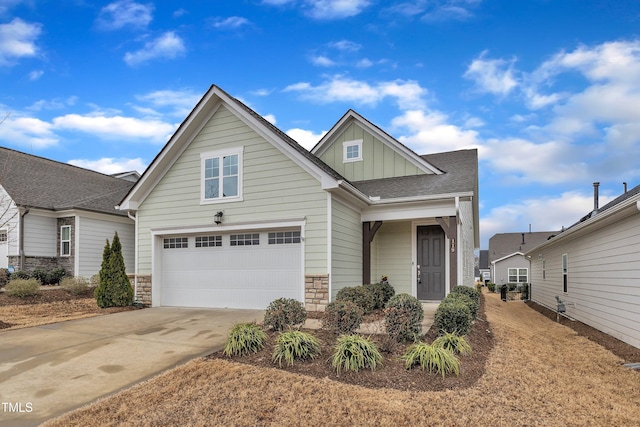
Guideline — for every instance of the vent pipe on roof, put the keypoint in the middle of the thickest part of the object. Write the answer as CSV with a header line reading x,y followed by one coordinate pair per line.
x,y
624,184
522,240
595,196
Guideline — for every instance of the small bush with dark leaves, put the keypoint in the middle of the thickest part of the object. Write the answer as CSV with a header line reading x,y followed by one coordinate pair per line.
x,y
465,299
453,316
342,317
284,313
403,318
358,295
381,293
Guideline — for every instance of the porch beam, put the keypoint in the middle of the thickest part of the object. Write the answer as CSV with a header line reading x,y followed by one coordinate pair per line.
x,y
369,231
451,231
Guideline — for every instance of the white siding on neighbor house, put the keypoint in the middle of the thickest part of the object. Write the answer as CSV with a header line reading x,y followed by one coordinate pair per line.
x,y
40,235
378,159
603,270
391,255
346,247
466,272
273,188
9,221
92,234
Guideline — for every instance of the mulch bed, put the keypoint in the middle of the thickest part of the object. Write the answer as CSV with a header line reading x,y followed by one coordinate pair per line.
x,y
628,353
392,374
52,294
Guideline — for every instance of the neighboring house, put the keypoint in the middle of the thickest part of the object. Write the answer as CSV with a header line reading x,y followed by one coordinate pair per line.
x,y
484,272
55,215
506,255
594,266
234,213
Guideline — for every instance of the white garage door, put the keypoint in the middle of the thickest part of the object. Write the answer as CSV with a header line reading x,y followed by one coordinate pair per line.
x,y
235,270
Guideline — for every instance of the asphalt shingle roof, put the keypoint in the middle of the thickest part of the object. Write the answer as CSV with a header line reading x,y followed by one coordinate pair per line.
x,y
503,244
37,182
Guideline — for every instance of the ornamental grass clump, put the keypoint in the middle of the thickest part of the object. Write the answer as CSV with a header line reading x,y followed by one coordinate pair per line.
x,y
355,352
457,344
284,313
244,338
403,318
22,288
295,345
432,358
342,317
359,295
76,285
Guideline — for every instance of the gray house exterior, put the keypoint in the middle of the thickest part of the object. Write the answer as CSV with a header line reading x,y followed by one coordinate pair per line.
x,y
594,266
506,255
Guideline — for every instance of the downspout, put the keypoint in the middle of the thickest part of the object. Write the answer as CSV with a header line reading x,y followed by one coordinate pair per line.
x,y
135,255
21,239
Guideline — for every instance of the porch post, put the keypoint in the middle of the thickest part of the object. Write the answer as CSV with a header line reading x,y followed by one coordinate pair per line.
x,y
368,233
451,231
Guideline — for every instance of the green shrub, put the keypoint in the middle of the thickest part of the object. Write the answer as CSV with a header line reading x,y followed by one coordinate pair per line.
x,y
355,352
512,286
40,276
453,316
358,295
435,359
491,287
381,293
55,276
283,313
465,299
76,285
455,343
468,291
22,288
244,338
20,274
4,277
292,345
403,317
525,292
342,317
115,289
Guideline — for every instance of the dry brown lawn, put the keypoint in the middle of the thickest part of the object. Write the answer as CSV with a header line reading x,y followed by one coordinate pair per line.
x,y
540,374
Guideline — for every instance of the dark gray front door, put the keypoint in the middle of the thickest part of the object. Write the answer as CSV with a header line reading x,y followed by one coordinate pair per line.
x,y
431,263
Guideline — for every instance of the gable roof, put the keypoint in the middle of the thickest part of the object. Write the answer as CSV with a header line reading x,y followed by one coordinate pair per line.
x,y
36,182
503,244
507,257
351,116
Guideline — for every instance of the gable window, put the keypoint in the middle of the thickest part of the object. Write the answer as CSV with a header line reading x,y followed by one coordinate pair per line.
x,y
65,240
221,176
176,242
208,241
251,239
565,272
352,150
518,275
284,237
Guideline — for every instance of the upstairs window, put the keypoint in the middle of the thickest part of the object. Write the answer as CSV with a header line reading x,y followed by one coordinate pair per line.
x,y
221,176
352,150
65,240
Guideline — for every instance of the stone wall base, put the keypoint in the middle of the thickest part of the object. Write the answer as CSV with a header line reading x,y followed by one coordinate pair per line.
x,y
143,290
316,292
44,263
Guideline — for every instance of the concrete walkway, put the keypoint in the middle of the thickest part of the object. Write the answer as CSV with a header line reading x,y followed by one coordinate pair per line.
x,y
48,370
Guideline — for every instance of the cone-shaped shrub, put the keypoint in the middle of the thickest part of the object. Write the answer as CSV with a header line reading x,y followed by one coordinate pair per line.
x,y
115,288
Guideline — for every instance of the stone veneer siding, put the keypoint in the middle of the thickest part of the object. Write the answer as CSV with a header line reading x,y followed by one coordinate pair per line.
x,y
143,290
316,292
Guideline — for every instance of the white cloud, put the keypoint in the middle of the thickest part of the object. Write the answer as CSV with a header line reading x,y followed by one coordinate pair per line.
x,y
322,61
270,118
125,13
179,102
110,165
335,9
115,127
436,10
5,5
17,40
230,23
306,138
35,74
345,45
364,63
495,76
27,132
167,46
407,93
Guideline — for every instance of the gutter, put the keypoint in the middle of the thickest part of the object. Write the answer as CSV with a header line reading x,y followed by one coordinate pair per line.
x,y
135,254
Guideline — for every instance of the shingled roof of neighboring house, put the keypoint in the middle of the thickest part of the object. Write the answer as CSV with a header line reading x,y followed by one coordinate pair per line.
x,y
460,175
37,182
503,244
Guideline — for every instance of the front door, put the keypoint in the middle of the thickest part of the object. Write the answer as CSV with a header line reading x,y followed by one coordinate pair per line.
x,y
431,263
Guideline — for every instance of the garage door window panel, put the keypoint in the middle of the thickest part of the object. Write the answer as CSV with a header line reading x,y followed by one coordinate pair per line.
x,y
284,237
208,241
251,239
176,243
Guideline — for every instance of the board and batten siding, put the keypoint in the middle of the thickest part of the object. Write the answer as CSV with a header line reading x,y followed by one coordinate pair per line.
x,y
273,188
391,255
603,270
378,159
92,235
467,246
40,235
346,247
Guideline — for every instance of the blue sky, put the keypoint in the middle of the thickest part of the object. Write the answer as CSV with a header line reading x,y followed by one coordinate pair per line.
x,y
548,91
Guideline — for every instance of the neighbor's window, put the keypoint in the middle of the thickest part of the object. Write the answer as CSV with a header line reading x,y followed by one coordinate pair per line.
x,y
208,241
250,239
176,242
518,275
65,240
221,176
3,236
284,237
352,150
565,272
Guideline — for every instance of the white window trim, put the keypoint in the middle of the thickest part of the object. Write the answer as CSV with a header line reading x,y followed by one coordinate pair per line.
x,y
346,144
63,241
220,154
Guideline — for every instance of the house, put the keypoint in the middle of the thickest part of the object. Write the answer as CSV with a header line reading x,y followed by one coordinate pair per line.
x,y
593,267
484,272
506,258
234,213
55,215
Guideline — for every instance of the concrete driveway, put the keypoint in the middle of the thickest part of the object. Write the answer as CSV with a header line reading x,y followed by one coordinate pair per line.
x,y
48,370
